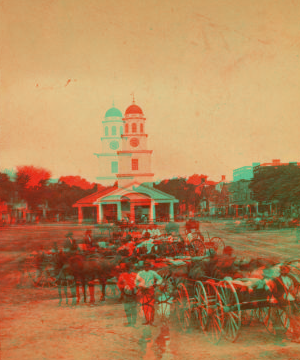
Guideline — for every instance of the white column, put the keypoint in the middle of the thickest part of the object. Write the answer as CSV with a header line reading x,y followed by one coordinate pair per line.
x,y
119,211
99,214
153,211
171,211
80,215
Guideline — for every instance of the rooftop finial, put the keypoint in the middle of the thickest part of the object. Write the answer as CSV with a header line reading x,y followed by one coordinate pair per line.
x,y
113,102
133,99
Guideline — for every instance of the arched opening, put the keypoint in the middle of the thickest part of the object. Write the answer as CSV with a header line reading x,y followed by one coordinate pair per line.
x,y
126,128
106,130
133,127
121,130
114,130
141,128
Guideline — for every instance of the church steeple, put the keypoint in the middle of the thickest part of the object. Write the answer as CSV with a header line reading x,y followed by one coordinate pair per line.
x,y
134,158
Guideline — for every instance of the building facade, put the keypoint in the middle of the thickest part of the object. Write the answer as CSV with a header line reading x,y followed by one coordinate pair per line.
x,y
126,152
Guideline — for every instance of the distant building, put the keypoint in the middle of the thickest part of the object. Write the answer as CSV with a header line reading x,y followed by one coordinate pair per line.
x,y
244,173
274,164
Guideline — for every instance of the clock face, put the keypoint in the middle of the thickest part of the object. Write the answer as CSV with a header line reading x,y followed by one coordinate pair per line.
x,y
134,142
114,145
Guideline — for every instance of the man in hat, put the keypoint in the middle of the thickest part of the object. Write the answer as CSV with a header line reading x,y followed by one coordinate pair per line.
x,y
70,243
145,283
126,284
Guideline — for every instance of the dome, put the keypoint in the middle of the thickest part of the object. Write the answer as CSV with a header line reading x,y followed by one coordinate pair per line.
x,y
113,112
133,110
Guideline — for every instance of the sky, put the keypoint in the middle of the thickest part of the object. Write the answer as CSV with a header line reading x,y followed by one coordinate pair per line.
x,y
218,81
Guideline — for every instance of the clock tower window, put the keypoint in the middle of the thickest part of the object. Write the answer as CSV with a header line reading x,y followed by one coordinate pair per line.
x,y
126,128
121,130
106,130
114,167
133,127
134,164
114,130
141,128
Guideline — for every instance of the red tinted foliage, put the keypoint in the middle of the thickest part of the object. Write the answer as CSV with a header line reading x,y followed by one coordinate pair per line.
x,y
77,181
32,176
196,179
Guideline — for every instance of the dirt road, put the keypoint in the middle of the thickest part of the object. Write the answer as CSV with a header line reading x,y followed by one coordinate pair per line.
x,y
35,327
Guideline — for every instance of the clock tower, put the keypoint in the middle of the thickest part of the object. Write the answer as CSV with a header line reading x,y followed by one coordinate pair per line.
x,y
134,156
112,129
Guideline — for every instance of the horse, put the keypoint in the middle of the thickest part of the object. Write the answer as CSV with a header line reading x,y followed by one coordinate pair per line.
x,y
85,270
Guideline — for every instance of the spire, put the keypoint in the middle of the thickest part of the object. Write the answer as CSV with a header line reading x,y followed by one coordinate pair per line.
x,y
133,99
113,103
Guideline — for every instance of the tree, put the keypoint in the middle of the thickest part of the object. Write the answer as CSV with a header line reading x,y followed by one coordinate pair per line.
x,y
31,185
6,187
279,184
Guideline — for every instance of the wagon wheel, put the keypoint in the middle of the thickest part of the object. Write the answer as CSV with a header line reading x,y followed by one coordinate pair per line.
x,y
218,245
215,314
29,272
182,307
201,304
277,316
275,320
46,280
164,300
197,248
232,310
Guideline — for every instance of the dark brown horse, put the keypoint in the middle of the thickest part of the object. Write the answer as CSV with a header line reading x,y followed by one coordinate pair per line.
x,y
86,270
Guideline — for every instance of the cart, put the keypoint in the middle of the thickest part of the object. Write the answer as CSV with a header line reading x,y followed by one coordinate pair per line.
x,y
220,307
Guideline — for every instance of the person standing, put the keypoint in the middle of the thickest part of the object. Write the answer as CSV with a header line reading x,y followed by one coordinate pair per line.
x,y
126,283
145,282
70,243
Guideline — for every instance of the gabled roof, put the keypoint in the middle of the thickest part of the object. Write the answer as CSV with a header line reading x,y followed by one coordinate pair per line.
x,y
90,200
134,191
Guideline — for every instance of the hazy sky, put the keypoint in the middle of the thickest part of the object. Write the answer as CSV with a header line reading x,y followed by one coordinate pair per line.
x,y
218,81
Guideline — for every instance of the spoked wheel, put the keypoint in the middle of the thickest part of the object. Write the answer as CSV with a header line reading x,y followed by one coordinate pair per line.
x,y
30,274
164,300
213,325
201,303
46,280
277,316
276,320
232,310
218,245
197,248
182,307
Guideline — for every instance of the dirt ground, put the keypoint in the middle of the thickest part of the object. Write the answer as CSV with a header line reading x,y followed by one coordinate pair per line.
x,y
35,326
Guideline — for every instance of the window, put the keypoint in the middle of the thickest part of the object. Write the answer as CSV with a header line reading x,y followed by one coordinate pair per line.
x,y
114,130
106,131
133,127
114,167
141,128
134,164
126,128
121,130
